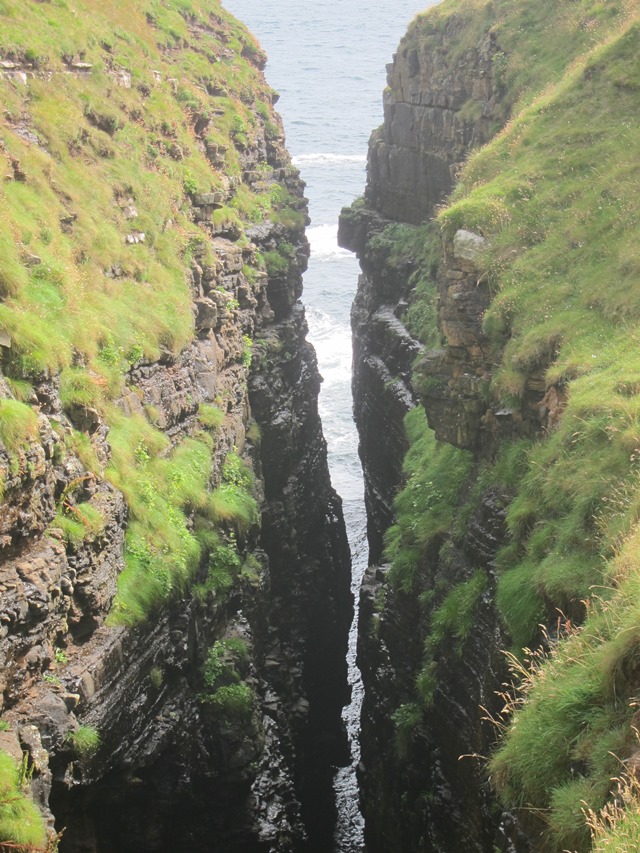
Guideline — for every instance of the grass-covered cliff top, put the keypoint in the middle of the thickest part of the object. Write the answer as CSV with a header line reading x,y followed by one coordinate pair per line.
x,y
138,141
536,41
557,196
131,133
103,137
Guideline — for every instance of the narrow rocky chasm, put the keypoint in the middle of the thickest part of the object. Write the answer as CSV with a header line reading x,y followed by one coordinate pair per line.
x,y
175,571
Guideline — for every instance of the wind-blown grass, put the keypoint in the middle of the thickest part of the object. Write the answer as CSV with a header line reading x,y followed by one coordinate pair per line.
x,y
20,821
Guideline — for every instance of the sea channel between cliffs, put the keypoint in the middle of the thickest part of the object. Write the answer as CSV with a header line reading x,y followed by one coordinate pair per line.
x,y
178,669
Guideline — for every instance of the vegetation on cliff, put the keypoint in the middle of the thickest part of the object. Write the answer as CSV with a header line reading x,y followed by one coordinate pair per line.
x,y
138,145
555,195
20,821
98,224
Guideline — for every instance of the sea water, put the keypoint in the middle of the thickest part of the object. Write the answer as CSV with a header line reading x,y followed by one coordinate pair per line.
x,y
327,60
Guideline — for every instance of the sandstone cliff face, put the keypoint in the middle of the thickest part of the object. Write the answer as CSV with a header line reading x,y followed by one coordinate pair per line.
x,y
171,770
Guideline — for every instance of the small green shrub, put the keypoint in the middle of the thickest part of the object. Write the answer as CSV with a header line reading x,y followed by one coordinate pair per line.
x,y
276,264
156,676
85,740
60,656
210,417
234,702
224,660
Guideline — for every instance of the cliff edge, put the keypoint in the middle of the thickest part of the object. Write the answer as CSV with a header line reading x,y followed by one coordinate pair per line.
x,y
173,561
497,293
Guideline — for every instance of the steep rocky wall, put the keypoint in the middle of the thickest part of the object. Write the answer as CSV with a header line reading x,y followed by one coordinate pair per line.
x,y
173,769
436,108
441,100
431,800
454,498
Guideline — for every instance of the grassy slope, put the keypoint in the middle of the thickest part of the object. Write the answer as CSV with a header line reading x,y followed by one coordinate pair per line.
x,y
85,162
82,156
557,194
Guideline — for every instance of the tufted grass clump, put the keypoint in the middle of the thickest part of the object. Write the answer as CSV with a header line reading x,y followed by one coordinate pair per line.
x,y
210,417
79,388
84,740
616,827
18,425
232,501
21,823
450,622
79,522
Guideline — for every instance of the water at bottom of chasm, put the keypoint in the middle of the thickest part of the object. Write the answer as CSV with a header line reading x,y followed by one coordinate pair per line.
x,y
327,61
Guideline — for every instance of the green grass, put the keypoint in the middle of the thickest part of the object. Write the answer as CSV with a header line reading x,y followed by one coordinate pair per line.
x,y
226,664
163,492
538,40
78,301
425,506
556,194
20,820
574,728
79,522
234,702
84,740
411,254
451,622
565,306
18,425
210,417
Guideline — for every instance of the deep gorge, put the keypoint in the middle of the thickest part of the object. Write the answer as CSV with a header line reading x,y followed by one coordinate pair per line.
x,y
174,564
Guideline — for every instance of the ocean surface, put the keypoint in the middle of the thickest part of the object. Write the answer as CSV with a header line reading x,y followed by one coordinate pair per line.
x,y
327,60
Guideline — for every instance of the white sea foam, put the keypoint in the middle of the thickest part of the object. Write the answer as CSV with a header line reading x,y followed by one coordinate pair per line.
x,y
323,240
327,158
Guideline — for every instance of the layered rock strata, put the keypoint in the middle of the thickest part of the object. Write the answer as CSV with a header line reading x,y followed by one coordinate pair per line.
x,y
431,108
416,794
170,770
438,104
